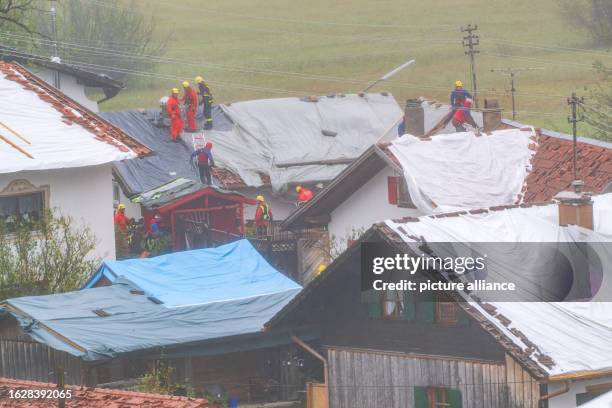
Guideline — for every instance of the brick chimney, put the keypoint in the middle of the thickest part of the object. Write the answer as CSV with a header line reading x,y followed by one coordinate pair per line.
x,y
415,117
575,207
491,115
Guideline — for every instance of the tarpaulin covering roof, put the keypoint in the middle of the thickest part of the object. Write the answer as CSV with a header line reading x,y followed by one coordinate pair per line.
x,y
53,129
266,137
560,338
463,170
188,297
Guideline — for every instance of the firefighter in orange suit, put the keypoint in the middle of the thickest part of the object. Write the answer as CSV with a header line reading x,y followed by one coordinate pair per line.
x,y
190,99
263,216
174,114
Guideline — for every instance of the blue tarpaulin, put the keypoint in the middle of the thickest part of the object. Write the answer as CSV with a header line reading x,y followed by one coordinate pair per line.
x,y
205,294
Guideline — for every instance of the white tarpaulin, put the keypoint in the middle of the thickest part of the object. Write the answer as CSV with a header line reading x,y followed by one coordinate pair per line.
x,y
462,170
575,335
271,136
53,143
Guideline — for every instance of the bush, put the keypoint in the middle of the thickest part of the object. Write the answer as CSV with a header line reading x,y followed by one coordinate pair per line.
x,y
595,16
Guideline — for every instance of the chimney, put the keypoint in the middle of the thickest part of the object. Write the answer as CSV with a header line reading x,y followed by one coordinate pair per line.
x,y
491,115
414,118
575,207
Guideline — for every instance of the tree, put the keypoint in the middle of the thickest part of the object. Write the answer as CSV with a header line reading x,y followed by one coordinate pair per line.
x,y
593,15
15,16
111,37
598,108
48,256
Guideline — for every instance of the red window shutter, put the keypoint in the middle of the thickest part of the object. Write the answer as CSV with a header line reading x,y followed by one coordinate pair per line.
x,y
392,187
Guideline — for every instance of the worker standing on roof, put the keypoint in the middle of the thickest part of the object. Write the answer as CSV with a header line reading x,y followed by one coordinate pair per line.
x,y
263,216
174,114
458,94
190,99
206,100
205,161
304,195
462,116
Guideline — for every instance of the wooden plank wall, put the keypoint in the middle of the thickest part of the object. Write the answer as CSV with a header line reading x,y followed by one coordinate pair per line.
x,y
523,390
28,360
364,379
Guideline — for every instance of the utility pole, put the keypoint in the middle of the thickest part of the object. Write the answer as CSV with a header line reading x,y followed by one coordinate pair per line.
x,y
513,73
55,57
573,101
470,42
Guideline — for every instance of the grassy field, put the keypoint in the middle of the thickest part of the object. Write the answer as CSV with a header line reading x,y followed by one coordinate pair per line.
x,y
251,49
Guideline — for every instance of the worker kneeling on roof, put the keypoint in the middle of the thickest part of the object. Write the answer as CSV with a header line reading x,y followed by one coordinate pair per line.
x,y
204,162
304,194
174,114
190,99
462,116
263,216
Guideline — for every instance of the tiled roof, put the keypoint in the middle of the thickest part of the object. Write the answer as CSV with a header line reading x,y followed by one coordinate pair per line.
x,y
72,112
83,397
232,181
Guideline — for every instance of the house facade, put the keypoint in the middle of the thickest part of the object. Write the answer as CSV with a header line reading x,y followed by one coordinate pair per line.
x,y
56,156
426,350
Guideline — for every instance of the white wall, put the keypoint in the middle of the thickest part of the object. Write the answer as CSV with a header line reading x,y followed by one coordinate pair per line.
x,y
69,86
85,194
367,206
568,399
132,210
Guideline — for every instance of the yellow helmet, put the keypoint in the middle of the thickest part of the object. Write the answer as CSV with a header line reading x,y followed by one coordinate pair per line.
x,y
175,90
121,207
458,84
298,189
185,84
199,79
259,198
321,268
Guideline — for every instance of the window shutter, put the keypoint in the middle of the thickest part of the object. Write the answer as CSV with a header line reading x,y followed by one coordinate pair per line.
x,y
426,307
392,189
374,306
420,397
454,398
463,319
409,307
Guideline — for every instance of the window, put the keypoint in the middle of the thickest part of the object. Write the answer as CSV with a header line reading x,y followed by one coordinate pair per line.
x,y
392,304
446,311
116,194
398,192
21,202
436,397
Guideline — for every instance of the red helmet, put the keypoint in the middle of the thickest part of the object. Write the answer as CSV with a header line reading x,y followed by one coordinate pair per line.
x,y
209,145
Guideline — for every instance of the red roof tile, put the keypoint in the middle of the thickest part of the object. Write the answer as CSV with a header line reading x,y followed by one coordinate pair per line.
x,y
72,112
83,397
232,181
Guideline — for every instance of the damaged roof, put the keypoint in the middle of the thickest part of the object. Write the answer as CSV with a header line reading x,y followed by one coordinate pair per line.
x,y
268,142
551,172
194,298
44,129
88,397
581,340
181,191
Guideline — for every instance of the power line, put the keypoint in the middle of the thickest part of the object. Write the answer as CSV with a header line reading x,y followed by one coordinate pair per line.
x,y
470,42
536,60
551,47
513,72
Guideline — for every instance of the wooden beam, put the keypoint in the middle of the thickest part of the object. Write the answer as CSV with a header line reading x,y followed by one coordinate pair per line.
x,y
318,219
329,162
15,133
14,146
